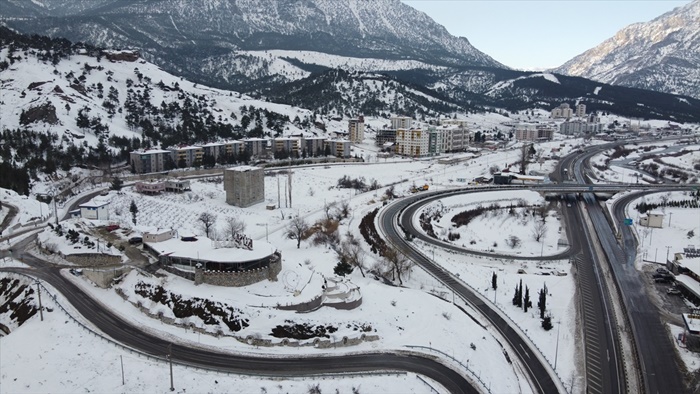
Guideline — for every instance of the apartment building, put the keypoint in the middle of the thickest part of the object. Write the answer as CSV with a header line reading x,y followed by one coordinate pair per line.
x,y
313,146
356,130
581,110
290,145
562,111
530,132
146,161
187,156
401,122
339,148
257,147
412,142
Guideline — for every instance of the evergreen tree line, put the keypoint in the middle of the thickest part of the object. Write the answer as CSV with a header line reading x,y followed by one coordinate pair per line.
x,y
644,207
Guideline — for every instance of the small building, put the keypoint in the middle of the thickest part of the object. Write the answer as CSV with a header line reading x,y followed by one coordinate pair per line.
x,y
244,186
95,210
149,187
177,185
158,235
652,219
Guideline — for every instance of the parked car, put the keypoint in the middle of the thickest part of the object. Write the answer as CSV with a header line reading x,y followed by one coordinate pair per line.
x,y
657,275
673,291
76,272
112,227
135,240
662,271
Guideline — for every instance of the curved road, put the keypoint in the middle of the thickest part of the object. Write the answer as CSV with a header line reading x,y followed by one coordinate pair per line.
x,y
130,335
538,374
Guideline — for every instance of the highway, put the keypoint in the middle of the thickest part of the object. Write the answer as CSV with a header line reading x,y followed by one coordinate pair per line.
x,y
656,357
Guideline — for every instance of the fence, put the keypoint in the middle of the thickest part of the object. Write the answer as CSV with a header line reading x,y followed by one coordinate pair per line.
x,y
163,359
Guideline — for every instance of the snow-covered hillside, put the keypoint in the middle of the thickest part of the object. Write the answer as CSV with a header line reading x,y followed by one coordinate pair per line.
x,y
662,55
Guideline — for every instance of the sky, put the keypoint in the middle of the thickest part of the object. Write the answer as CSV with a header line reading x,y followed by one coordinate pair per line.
x,y
534,35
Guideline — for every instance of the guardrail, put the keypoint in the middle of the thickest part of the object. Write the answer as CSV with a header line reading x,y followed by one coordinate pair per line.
x,y
163,359
503,314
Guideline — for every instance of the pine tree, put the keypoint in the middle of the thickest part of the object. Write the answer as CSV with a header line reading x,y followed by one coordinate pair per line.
x,y
526,302
134,210
515,296
547,323
494,279
520,294
116,184
542,303
342,268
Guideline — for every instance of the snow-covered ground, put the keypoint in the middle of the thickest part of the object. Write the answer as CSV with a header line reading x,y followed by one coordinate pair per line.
x,y
399,316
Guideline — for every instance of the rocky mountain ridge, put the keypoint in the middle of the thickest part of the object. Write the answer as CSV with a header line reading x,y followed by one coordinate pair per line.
x,y
186,37
661,55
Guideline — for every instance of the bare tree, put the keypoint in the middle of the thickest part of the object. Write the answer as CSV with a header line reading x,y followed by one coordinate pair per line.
x,y
328,208
398,262
494,169
207,221
539,230
234,226
351,252
344,209
390,192
297,229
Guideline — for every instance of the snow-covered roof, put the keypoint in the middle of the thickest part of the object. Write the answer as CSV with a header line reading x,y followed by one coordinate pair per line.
x,y
203,250
692,322
689,283
151,151
94,203
243,168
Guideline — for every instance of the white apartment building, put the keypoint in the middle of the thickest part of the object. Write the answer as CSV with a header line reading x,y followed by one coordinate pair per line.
x,y
412,142
562,111
356,129
401,122
581,110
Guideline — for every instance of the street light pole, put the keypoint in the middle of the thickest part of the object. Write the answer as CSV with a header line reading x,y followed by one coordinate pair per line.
x,y
170,359
556,352
41,309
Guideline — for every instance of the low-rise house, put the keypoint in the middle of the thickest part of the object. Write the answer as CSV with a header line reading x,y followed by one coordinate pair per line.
x,y
652,219
95,210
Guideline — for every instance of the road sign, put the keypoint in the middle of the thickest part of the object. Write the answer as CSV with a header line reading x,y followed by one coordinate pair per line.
x,y
628,222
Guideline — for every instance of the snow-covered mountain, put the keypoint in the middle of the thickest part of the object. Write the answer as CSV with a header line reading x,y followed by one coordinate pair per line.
x,y
661,55
218,36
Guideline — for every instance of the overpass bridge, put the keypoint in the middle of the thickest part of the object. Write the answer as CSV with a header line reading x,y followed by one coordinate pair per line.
x,y
577,188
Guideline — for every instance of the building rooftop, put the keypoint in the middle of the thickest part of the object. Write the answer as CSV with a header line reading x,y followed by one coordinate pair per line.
x,y
94,203
203,250
151,151
243,168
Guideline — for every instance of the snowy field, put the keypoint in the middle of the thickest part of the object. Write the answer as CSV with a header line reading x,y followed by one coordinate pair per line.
x,y
400,317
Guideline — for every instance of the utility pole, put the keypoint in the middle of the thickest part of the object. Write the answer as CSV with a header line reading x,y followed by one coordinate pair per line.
x,y
121,360
38,292
170,359
669,219
668,248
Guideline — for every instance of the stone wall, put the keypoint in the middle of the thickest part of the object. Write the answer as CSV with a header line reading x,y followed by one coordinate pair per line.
x,y
237,279
104,277
93,259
